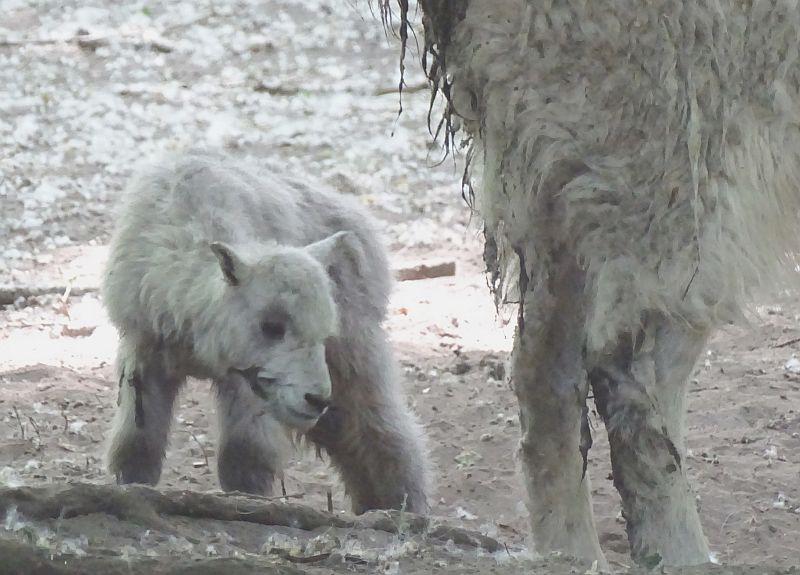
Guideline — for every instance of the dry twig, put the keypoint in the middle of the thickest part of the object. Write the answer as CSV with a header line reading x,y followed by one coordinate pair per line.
x,y
38,433
19,421
792,341
202,447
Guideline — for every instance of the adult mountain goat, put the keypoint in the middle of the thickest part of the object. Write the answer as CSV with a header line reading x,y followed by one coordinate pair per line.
x,y
276,291
638,165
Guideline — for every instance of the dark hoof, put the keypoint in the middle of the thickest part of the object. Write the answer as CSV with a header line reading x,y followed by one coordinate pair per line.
x,y
136,464
241,468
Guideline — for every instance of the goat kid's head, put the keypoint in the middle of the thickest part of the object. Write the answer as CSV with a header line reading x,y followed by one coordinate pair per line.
x,y
277,311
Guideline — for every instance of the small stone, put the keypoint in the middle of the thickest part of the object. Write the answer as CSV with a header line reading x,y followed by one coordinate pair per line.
x,y
461,368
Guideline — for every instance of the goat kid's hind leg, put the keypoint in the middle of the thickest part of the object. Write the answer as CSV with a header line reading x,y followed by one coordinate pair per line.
x,y
372,437
640,391
253,445
551,387
140,432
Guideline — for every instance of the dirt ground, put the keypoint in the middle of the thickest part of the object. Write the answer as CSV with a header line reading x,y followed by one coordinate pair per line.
x,y
90,89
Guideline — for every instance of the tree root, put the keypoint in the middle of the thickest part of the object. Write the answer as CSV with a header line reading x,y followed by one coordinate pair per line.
x,y
147,507
21,559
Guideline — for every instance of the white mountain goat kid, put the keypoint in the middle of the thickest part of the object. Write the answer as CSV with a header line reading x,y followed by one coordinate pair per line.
x,y
639,176
276,291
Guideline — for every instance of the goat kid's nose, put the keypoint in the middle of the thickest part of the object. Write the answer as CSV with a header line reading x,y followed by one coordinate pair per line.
x,y
318,402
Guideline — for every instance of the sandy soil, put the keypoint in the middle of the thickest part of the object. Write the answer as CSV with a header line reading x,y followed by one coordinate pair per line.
x,y
86,92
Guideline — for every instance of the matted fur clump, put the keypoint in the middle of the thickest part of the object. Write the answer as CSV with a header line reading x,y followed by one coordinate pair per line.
x,y
637,165
275,289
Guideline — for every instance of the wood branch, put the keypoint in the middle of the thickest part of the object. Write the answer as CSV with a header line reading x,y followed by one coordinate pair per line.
x,y
95,40
91,41
464,537
319,557
425,271
407,89
148,507
10,293
786,343
22,559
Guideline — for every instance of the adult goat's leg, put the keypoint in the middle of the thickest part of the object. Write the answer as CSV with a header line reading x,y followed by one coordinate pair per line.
x,y
147,391
640,391
551,386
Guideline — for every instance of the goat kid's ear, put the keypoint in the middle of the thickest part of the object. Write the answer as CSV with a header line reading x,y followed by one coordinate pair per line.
x,y
229,262
326,251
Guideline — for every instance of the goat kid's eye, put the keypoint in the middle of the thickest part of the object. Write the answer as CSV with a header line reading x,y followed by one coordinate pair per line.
x,y
273,330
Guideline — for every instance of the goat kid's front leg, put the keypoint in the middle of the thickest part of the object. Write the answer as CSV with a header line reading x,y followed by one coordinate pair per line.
x,y
253,444
140,431
640,391
371,435
551,387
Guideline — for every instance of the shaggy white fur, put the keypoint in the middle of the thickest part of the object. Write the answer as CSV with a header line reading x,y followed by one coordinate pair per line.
x,y
276,291
638,166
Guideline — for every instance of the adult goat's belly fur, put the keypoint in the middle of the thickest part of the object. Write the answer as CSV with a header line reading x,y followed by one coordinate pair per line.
x,y
658,142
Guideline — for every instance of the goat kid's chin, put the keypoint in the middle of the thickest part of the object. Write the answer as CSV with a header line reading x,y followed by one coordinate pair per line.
x,y
294,417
